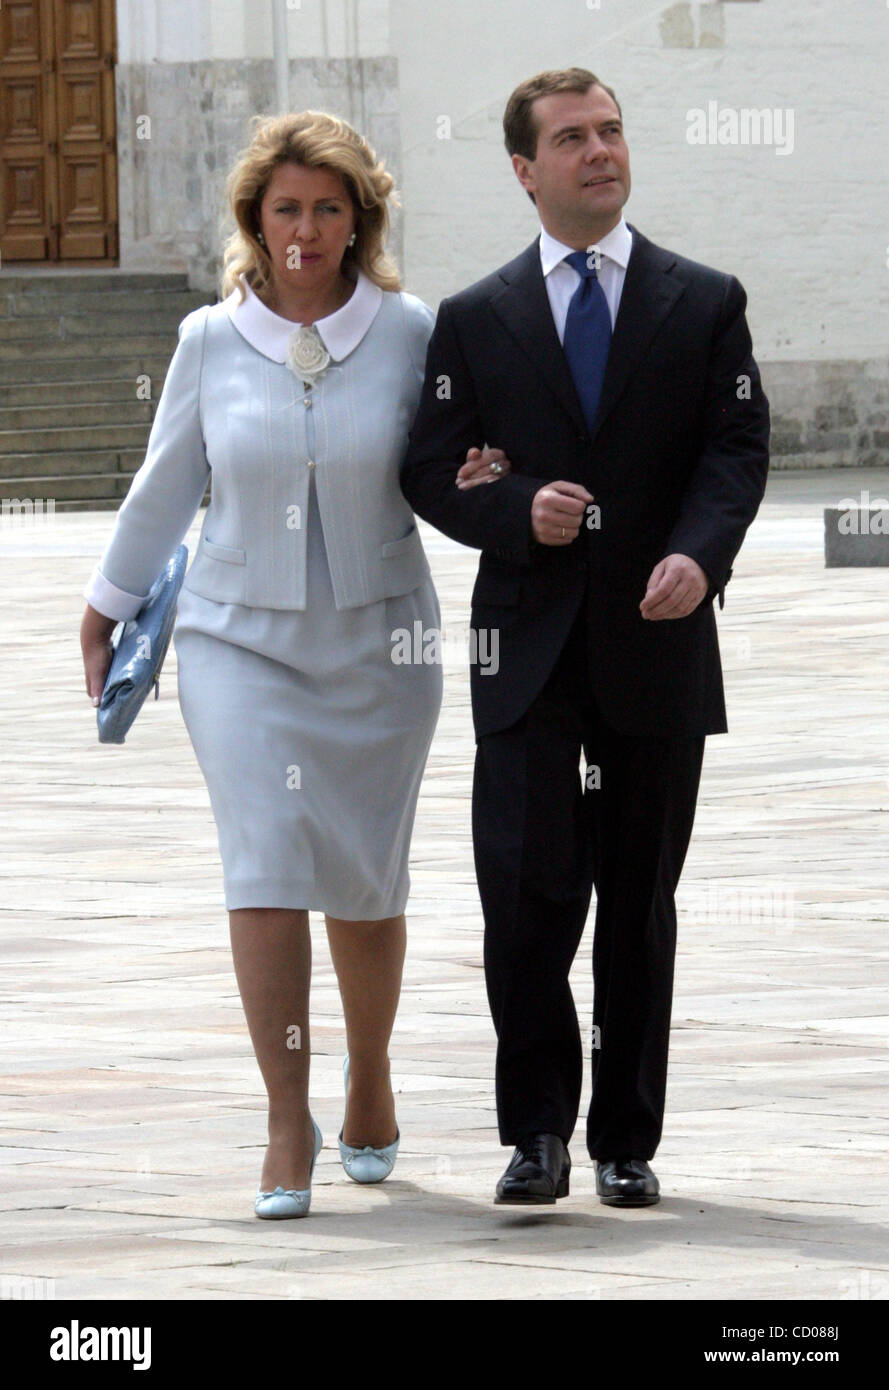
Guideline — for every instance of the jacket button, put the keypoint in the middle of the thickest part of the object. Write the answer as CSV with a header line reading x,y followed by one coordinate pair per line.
x,y
311,463
307,402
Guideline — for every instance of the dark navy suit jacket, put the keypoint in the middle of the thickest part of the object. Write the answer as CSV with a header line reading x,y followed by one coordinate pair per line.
x,y
677,462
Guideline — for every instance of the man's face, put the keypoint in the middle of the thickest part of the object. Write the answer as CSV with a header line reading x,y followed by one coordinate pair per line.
x,y
580,176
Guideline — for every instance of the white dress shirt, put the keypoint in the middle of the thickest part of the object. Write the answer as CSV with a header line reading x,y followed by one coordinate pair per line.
x,y
561,279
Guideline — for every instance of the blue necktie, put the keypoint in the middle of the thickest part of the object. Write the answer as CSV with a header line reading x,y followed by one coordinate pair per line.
x,y
587,335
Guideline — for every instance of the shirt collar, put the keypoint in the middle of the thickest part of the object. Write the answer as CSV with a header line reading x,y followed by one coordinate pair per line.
x,y
341,331
615,245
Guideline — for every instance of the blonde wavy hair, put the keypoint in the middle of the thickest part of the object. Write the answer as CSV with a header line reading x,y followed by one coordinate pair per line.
x,y
316,140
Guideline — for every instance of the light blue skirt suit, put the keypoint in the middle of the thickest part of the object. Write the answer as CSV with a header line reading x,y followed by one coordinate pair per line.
x,y
309,570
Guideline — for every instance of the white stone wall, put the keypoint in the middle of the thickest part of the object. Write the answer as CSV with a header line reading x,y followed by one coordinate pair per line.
x,y
191,73
806,230
173,31
807,233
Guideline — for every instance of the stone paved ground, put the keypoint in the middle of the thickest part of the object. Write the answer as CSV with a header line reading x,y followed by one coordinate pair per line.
x,y
133,1120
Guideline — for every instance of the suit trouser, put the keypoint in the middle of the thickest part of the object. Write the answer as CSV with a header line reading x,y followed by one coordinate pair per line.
x,y
543,835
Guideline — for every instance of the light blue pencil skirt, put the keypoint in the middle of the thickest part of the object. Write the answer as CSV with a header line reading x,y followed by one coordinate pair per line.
x,y
311,740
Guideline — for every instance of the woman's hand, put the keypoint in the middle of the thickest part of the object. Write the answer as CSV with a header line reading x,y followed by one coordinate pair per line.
x,y
477,468
95,643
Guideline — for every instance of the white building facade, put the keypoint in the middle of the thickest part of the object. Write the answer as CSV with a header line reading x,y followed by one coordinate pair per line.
x,y
756,131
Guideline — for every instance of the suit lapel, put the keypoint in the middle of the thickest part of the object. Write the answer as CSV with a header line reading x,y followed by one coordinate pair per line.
x,y
522,305
648,295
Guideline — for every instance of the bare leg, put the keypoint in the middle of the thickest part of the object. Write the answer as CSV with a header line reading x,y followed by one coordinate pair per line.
x,y
368,958
272,953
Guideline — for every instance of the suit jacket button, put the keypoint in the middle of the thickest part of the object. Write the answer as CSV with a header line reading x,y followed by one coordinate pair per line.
x,y
311,463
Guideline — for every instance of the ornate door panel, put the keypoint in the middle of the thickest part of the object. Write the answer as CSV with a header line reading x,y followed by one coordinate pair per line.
x,y
58,157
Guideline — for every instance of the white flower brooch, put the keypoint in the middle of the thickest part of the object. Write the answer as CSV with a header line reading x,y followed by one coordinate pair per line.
x,y
307,357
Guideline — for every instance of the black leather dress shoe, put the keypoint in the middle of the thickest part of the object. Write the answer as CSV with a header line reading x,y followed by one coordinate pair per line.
x,y
537,1173
626,1182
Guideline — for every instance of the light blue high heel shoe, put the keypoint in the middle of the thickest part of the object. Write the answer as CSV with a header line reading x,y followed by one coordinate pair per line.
x,y
367,1164
291,1201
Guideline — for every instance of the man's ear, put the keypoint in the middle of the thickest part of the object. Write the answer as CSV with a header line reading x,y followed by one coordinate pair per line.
x,y
521,169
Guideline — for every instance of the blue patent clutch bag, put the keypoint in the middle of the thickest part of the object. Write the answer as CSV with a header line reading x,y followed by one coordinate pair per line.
x,y
139,653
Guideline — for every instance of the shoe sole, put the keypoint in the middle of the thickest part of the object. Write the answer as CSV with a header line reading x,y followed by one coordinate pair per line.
x,y
629,1201
524,1201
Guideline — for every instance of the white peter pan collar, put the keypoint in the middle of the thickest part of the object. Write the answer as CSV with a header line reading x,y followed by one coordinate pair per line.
x,y
341,331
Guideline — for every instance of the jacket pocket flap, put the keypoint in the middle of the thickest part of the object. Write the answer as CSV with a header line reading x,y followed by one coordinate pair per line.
x,y
398,547
229,553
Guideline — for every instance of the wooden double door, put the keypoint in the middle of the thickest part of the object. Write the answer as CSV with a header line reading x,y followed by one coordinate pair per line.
x,y
58,148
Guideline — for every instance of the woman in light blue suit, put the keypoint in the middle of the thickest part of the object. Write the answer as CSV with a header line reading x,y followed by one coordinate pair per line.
x,y
294,394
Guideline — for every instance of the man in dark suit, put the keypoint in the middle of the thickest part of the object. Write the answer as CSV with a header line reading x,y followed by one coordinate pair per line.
x,y
620,384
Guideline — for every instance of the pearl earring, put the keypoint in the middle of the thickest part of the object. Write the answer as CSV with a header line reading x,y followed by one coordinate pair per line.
x,y
352,239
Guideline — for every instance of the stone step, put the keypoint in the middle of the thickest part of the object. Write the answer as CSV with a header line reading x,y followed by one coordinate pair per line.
x,y
39,441
95,281
73,345
69,492
125,367
103,348
109,391
89,504
15,467
49,303
74,413
61,488
52,328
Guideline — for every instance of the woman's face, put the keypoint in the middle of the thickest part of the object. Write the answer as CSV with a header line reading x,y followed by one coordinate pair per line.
x,y
306,217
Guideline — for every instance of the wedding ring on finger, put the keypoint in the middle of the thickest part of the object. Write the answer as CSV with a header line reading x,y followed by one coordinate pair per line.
x,y
496,467
563,533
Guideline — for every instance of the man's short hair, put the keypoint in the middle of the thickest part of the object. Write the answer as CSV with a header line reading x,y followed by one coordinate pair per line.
x,y
520,127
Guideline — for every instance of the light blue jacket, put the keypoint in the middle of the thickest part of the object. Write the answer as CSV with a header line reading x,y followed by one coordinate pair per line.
x,y
231,410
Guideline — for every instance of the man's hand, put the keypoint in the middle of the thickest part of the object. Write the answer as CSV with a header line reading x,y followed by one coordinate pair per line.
x,y
477,468
557,512
675,589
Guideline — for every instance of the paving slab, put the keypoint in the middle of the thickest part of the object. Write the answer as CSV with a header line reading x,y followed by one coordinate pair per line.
x,y
132,1120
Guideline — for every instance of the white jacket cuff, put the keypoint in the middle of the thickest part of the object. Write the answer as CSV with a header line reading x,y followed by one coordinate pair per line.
x,y
107,599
